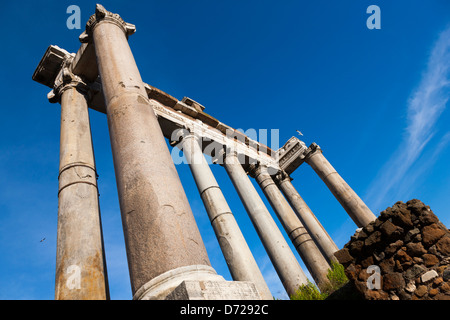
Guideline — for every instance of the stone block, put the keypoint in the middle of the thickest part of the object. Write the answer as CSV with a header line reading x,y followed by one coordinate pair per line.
x,y
214,290
429,275
343,256
432,234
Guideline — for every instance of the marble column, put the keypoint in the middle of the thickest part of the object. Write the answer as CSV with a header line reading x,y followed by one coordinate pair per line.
x,y
80,259
305,246
163,243
348,198
283,259
307,217
238,256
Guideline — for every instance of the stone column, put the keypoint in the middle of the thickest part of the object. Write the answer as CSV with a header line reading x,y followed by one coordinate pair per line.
x,y
283,259
348,198
80,260
305,246
163,243
238,256
307,217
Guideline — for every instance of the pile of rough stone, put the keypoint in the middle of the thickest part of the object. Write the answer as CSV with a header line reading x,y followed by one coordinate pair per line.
x,y
407,248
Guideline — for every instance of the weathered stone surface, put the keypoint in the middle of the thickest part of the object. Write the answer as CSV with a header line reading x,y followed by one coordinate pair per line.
x,y
393,281
343,256
402,216
391,231
414,271
411,248
402,256
430,260
373,239
421,291
429,275
410,287
214,290
411,234
415,249
443,245
393,247
446,274
376,295
442,296
387,266
356,247
431,234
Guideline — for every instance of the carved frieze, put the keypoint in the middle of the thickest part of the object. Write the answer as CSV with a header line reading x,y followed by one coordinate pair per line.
x,y
291,155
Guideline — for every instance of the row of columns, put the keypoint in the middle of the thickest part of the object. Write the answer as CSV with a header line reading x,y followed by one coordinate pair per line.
x,y
312,242
163,243
281,256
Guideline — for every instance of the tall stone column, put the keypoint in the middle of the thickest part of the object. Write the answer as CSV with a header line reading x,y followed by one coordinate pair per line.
x,y
305,246
238,256
283,259
307,217
163,243
80,260
348,198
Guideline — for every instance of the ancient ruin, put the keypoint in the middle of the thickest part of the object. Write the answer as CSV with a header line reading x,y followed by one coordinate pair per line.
x,y
166,255
410,249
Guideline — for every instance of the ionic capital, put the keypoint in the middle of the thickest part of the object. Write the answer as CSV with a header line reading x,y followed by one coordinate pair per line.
x,y
312,150
281,177
183,135
103,15
65,80
255,170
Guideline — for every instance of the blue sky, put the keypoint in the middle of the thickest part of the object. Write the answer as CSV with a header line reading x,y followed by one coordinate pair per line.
x,y
376,101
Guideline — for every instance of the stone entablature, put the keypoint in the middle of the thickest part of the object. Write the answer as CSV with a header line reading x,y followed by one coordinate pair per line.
x,y
164,247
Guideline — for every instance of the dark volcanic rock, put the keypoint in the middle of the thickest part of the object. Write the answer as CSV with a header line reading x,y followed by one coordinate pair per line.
x,y
407,248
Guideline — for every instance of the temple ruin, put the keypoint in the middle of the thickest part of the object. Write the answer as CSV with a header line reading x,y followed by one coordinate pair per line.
x,y
166,255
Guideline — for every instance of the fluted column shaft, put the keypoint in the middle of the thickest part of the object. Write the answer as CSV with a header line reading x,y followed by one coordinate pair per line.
x,y
283,259
80,261
238,256
307,217
305,246
348,198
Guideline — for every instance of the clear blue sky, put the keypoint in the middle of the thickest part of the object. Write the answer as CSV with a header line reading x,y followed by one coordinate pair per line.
x,y
374,100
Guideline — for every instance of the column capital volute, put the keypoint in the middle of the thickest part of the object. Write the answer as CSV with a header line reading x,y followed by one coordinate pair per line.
x,y
103,15
312,150
282,176
182,134
255,170
65,80
221,153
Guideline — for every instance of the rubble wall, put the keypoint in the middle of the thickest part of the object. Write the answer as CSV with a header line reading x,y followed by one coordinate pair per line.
x,y
403,255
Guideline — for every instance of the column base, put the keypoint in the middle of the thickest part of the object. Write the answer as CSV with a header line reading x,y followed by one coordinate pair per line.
x,y
215,290
159,287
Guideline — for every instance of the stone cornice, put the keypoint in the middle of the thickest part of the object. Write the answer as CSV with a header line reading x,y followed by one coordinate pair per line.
x,y
291,155
50,65
103,15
